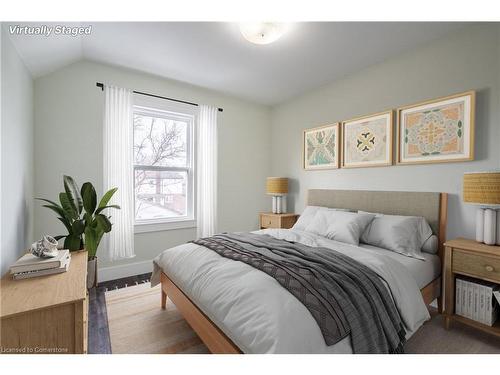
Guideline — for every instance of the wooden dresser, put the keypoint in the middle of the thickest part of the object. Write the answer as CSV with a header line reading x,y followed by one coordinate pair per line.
x,y
46,314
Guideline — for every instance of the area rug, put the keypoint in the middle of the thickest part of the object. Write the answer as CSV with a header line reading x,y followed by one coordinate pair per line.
x,y
137,324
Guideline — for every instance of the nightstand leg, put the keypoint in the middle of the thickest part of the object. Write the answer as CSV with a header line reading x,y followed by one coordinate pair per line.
x,y
440,304
449,283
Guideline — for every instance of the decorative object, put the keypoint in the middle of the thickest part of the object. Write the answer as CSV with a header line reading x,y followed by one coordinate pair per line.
x,y
84,220
367,141
278,188
46,247
483,188
321,147
436,131
263,32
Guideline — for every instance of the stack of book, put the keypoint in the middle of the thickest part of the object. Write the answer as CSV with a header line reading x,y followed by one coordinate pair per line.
x,y
477,300
30,265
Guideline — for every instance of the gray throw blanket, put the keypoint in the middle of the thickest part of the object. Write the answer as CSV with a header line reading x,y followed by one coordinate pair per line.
x,y
344,296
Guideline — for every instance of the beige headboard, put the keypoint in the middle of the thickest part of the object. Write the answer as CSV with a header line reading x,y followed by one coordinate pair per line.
x,y
432,206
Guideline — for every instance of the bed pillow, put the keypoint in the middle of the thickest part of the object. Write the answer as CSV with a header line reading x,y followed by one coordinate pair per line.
x,y
340,226
306,217
402,234
308,214
431,245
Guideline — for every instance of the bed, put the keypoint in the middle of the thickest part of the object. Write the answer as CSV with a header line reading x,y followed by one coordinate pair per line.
x,y
214,294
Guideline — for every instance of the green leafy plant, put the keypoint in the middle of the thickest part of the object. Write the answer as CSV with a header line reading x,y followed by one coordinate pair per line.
x,y
83,218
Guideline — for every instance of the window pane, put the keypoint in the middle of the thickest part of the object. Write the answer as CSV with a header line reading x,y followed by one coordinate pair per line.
x,y
160,141
160,194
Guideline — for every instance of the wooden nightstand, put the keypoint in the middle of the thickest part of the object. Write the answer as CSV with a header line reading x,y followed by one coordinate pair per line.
x,y
270,220
474,259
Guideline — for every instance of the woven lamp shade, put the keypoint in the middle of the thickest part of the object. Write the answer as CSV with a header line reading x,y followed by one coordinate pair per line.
x,y
277,185
482,187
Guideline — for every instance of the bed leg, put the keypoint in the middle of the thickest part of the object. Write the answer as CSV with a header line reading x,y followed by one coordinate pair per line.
x,y
163,299
440,304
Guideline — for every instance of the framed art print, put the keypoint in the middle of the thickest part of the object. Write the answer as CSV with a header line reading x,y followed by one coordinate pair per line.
x,y
367,141
437,131
321,147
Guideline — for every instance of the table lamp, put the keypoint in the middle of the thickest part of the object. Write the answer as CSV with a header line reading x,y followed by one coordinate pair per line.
x,y
278,188
483,188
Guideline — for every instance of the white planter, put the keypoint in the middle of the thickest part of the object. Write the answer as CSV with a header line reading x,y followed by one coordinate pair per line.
x,y
92,273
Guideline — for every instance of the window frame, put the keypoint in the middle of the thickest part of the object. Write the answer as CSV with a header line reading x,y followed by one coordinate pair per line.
x,y
162,108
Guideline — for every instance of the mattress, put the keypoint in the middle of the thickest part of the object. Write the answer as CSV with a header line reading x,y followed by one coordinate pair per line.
x,y
423,271
258,314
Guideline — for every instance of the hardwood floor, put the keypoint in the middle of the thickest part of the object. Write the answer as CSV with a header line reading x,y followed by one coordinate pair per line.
x,y
98,334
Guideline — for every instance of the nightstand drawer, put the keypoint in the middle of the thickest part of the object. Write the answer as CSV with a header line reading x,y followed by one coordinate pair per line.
x,y
268,221
476,265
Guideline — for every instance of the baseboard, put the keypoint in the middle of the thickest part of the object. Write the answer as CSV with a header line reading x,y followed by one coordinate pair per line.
x,y
124,270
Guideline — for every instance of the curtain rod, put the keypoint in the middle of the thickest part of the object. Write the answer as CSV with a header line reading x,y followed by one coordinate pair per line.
x,y
101,85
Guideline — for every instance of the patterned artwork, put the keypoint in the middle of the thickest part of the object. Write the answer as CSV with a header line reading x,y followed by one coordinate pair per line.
x,y
437,131
321,147
367,141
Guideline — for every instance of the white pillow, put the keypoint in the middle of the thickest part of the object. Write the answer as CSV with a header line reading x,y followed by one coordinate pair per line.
x,y
340,226
308,214
431,245
402,234
306,217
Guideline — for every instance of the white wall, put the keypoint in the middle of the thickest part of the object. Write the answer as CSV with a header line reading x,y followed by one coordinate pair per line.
x,y
16,155
468,59
68,128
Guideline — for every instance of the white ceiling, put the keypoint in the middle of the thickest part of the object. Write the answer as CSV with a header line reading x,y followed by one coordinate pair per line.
x,y
215,55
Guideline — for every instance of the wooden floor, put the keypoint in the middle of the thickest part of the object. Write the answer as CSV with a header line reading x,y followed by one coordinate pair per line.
x,y
98,334
138,325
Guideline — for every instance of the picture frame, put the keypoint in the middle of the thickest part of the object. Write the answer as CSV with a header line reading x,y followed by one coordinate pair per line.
x,y
437,131
367,141
321,147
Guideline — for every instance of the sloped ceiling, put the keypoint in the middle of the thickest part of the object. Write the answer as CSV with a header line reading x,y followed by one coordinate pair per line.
x,y
215,55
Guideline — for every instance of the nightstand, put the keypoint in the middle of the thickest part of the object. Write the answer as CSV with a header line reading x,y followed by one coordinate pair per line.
x,y
474,259
270,220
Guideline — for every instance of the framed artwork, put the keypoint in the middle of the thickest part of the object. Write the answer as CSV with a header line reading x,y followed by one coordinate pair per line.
x,y
321,147
437,131
367,141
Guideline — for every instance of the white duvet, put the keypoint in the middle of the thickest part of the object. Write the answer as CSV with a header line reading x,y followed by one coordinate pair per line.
x,y
257,313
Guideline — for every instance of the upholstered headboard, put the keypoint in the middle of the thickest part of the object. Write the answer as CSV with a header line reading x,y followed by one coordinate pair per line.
x,y
431,206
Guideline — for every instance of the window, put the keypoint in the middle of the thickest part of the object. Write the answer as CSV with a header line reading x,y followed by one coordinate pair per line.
x,y
163,166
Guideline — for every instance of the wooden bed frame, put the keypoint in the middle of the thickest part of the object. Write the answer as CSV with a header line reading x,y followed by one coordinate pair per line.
x,y
218,343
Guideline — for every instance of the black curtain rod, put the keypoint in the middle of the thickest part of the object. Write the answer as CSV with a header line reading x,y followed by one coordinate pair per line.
x,y
101,85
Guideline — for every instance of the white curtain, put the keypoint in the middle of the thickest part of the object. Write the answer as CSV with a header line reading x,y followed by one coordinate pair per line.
x,y
207,171
118,169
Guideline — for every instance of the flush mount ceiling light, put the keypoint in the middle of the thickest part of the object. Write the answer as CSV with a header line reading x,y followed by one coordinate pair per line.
x,y
262,32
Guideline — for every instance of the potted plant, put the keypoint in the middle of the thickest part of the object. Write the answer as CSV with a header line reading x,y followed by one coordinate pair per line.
x,y
84,220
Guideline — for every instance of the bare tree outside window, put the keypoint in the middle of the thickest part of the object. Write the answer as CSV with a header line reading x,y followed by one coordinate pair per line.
x,y
162,165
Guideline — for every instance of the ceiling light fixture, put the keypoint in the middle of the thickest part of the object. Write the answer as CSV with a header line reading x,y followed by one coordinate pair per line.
x,y
262,32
